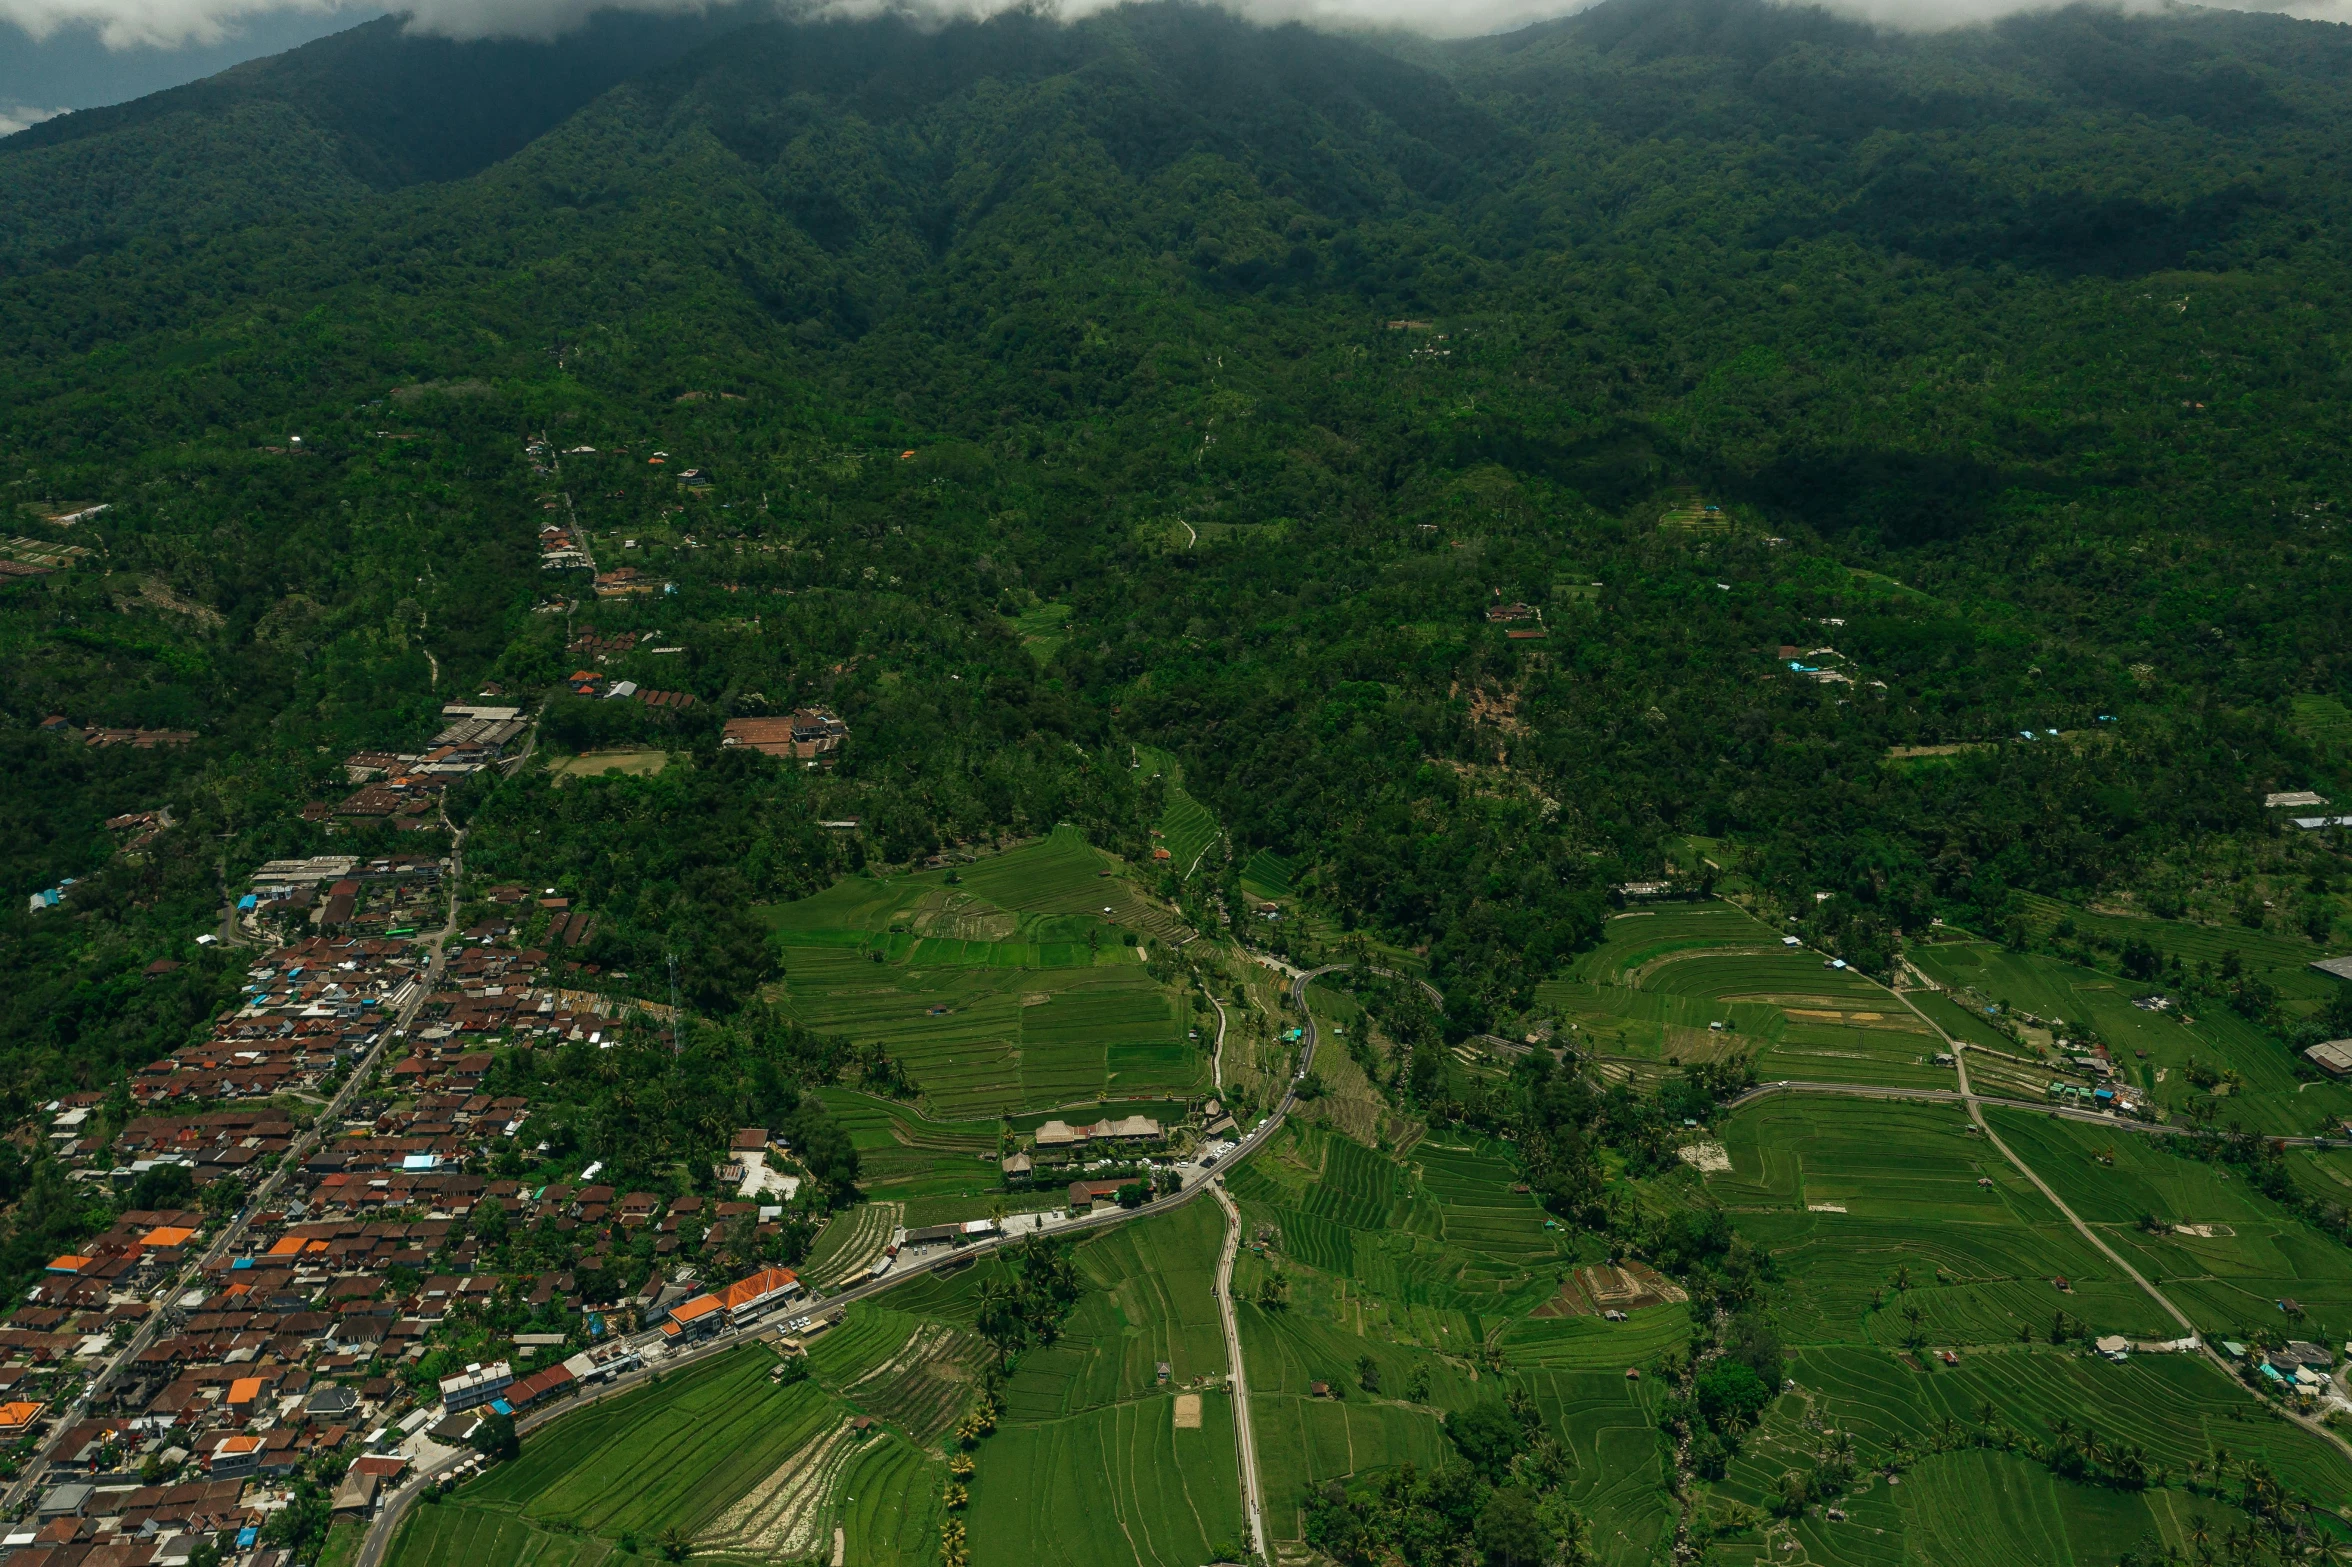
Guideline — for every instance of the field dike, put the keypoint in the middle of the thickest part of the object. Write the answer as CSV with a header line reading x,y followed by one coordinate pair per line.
x,y
784,1516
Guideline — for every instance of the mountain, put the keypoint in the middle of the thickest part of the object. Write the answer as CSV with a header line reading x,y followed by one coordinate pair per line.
x,y
2035,320
370,109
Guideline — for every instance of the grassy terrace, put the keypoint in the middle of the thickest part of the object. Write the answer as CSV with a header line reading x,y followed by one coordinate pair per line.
x,y
1013,989
1645,997
2154,1049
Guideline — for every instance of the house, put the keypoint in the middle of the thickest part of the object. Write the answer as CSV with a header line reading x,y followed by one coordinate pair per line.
x,y
807,735
751,1139
476,1384
1017,1168
1130,1129
234,1456
2334,1057
747,1298
1060,1134
693,1319
1085,1194
356,1496
552,1382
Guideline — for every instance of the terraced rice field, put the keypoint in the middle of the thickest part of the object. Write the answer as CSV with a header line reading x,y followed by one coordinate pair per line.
x,y
1266,874
2240,1253
681,1454
1089,1466
921,1388
905,1156
785,1514
2144,1043
851,1243
2325,719
1846,1193
1186,829
1043,630
1696,981
1148,1301
1448,1235
1012,990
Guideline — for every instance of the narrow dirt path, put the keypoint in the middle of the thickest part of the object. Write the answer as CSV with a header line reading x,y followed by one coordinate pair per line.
x,y
1245,1439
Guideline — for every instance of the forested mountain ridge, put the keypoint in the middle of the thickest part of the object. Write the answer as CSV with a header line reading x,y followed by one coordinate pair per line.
x,y
2036,319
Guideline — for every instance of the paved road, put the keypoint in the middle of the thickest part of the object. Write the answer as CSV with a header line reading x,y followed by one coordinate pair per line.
x,y
326,1122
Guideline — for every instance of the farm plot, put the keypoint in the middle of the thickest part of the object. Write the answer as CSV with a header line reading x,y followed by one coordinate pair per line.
x,y
678,1454
923,1387
785,1514
989,1040
1609,1426
2176,1408
2227,1256
1089,1464
887,1503
1112,1485
1186,829
2279,957
904,1155
1147,1301
458,1536
2154,1049
1875,1211
1302,1442
1267,875
1697,981
851,1243
1341,1208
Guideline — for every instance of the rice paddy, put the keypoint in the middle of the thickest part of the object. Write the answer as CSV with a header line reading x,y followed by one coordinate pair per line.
x,y
1698,981
716,1450
1899,1234
2152,1049
1012,989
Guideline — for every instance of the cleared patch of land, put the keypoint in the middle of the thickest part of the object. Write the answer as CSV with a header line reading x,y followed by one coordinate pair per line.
x,y
595,764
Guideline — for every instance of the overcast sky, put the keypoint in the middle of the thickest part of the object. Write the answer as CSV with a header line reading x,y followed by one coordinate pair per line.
x,y
78,54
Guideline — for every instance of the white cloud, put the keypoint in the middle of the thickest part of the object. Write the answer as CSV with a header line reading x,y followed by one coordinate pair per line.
x,y
162,24
16,116
124,24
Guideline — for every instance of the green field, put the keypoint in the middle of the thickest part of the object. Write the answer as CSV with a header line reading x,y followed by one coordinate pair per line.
x,y
1649,994
904,1157
1043,630
1424,1268
2230,1280
1266,874
2153,1049
1185,829
2325,719
752,1471
1013,989
1844,1193
1088,1466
